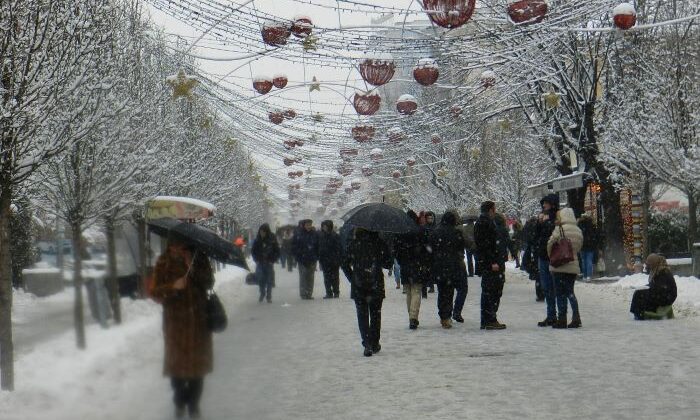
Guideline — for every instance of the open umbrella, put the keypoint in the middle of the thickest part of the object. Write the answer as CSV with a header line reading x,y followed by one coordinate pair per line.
x,y
380,217
206,240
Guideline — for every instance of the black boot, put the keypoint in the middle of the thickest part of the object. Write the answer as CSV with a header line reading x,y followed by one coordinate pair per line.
x,y
458,318
413,324
367,352
575,322
560,324
546,323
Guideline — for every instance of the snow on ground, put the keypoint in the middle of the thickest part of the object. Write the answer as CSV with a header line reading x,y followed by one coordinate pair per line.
x,y
295,359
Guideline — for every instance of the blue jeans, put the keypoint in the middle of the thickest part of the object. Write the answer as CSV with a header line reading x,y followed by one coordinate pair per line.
x,y
397,272
265,275
547,285
587,262
565,291
461,288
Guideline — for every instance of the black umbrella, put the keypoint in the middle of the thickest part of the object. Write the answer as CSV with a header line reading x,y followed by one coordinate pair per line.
x,y
206,240
380,217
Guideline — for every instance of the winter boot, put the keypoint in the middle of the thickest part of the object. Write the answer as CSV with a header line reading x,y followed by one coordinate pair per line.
x,y
575,322
413,324
458,318
376,348
367,352
328,296
546,323
560,324
336,295
446,323
495,325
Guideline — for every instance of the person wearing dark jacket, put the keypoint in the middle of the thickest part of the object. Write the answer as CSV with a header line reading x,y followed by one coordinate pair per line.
x,y
529,261
428,227
517,241
590,245
409,252
265,253
543,231
367,255
490,254
305,249
286,249
448,268
329,255
505,243
662,288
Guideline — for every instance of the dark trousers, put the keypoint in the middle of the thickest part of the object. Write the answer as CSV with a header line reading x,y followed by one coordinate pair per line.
x,y
369,319
331,279
187,392
564,288
491,292
446,294
265,275
471,258
461,288
643,301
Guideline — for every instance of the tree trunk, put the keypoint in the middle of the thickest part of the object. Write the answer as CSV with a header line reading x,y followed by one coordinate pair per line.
x,y
576,199
692,219
7,373
646,205
78,316
612,229
112,281
143,257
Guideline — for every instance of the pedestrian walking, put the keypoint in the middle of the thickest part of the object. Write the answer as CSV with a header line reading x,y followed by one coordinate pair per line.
x,y
287,250
662,289
517,242
266,252
491,260
565,275
182,277
428,226
448,268
329,257
589,249
305,247
410,253
545,227
367,255
468,234
529,259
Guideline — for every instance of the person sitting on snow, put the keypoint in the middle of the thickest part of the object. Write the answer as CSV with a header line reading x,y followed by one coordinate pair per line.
x,y
662,289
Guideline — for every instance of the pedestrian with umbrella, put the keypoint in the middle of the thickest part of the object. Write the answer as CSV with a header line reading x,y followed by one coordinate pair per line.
x,y
182,280
265,253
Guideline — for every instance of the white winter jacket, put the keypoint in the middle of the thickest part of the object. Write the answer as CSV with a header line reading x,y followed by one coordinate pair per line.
x,y
567,221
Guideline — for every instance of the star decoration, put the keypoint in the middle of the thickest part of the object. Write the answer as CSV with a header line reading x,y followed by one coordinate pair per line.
x,y
552,99
182,84
309,43
318,117
315,85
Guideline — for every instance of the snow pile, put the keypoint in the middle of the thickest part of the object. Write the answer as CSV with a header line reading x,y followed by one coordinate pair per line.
x,y
624,9
185,200
404,98
427,63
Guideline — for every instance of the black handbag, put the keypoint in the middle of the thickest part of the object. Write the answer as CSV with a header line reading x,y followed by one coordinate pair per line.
x,y
251,280
217,320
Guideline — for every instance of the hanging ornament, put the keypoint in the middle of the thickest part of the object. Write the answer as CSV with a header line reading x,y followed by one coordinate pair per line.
x,y
299,142
410,161
280,81
363,133
317,117
525,12
624,16
377,69
289,144
426,72
348,152
406,104
396,174
435,139
288,160
275,117
395,135
275,33
355,184
376,154
442,173
366,103
551,99
345,169
449,13
456,110
309,43
348,191
289,114
488,78
381,188
302,26
182,84
367,171
262,84
334,212
315,85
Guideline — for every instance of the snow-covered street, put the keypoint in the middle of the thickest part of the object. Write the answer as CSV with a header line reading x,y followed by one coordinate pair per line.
x,y
303,360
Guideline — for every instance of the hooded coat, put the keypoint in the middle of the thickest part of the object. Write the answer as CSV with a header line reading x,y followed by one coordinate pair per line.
x,y
329,248
305,245
188,341
545,228
447,245
566,221
410,252
590,234
486,237
265,250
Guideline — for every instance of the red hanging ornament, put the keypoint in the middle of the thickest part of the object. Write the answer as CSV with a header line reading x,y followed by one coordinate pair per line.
x,y
280,81
377,70
289,144
426,72
302,26
275,117
289,114
488,78
262,85
411,161
366,103
345,169
396,174
275,33
363,133
395,135
406,104
367,171
355,184
435,139
624,16
526,12
449,13
299,142
288,160
456,110
348,152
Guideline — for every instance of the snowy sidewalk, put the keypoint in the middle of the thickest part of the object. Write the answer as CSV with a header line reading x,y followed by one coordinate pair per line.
x,y
295,359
